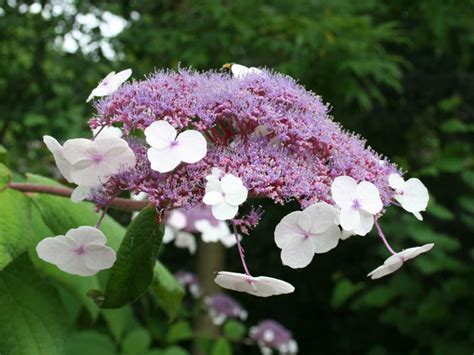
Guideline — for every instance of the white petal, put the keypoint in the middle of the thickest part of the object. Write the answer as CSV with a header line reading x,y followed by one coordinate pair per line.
x,y
418,216
349,218
322,216
213,184
414,197
57,250
76,150
259,286
177,219
327,240
192,146
186,240
411,253
208,231
169,235
77,267
387,268
163,160
223,211
369,197
160,134
346,234
288,229
396,182
212,198
81,193
107,132
298,251
63,165
121,77
366,223
240,71
343,190
86,235
99,257
235,192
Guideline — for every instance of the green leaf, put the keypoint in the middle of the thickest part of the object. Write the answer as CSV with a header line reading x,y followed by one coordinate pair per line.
x,y
179,331
343,290
221,347
167,291
439,211
136,343
61,214
119,321
234,330
5,176
132,273
76,285
31,314
3,155
15,231
175,350
89,342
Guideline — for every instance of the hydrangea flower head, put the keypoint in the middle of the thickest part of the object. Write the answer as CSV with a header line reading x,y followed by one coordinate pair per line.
x,y
271,335
222,307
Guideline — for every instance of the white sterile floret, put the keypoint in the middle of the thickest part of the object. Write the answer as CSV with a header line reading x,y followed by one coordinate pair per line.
x,y
240,71
81,193
411,194
82,251
110,84
169,149
175,222
261,286
395,262
93,162
211,233
301,234
57,150
359,202
224,194
107,132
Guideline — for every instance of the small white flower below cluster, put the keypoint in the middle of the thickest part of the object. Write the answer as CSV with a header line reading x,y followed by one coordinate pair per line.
x,y
82,251
174,224
301,234
395,262
212,233
261,286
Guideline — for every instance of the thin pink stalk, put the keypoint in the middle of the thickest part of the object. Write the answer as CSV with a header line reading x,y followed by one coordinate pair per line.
x,y
241,250
379,229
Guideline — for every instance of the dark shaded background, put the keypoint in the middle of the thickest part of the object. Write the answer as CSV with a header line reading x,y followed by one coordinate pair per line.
x,y
400,73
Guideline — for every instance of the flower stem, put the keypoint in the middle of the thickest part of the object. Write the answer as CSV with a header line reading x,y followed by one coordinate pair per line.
x,y
241,250
379,230
98,132
123,204
104,212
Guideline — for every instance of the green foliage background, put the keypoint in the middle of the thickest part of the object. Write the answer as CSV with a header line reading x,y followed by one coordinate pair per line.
x,y
400,73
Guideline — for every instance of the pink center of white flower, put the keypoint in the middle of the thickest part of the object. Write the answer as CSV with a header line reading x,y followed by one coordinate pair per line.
x,y
356,204
81,250
98,158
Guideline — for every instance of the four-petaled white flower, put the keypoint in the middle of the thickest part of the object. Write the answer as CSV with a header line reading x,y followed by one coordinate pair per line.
x,y
224,194
240,71
175,222
211,233
395,262
301,234
93,162
169,149
359,202
261,286
411,194
110,84
82,251
107,132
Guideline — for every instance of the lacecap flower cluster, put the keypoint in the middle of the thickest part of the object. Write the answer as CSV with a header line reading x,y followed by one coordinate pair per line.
x,y
212,141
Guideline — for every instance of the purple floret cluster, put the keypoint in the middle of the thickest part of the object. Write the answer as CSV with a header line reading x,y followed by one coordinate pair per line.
x,y
266,129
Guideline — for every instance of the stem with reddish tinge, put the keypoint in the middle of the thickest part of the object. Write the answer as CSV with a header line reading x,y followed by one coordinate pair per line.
x,y
379,229
241,250
123,204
